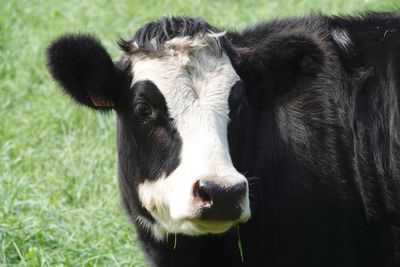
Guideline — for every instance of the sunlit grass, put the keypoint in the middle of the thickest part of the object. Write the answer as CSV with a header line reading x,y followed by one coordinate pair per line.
x,y
59,199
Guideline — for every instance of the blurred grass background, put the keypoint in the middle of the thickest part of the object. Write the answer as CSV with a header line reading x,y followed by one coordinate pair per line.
x,y
59,199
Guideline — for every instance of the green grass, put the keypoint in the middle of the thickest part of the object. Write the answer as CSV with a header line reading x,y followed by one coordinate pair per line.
x,y
59,199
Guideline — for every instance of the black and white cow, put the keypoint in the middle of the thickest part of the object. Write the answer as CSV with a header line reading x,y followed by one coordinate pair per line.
x,y
278,145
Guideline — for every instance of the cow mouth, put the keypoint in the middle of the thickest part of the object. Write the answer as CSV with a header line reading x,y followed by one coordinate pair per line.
x,y
201,227
212,227
198,225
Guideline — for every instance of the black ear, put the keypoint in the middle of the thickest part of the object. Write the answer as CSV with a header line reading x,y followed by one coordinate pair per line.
x,y
278,66
85,71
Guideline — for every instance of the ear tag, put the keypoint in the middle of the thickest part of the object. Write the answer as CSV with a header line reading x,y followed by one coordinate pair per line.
x,y
101,102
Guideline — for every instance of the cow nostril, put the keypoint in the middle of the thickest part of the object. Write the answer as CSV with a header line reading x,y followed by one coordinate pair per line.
x,y
200,194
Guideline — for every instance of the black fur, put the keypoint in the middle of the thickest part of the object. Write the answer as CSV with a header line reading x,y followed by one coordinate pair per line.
x,y
292,70
319,141
84,69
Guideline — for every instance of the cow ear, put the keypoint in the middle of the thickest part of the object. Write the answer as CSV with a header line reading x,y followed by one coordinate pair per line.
x,y
85,71
278,66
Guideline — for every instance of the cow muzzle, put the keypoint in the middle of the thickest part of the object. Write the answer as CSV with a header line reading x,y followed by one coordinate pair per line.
x,y
218,200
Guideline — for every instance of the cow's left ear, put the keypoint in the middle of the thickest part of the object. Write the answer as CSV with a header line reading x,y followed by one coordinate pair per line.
x,y
278,65
85,71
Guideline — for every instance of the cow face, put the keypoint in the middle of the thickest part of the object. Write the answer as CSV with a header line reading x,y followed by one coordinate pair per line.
x,y
184,92
173,112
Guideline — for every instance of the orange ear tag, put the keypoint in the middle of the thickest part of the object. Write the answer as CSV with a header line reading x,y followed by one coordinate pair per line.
x,y
101,102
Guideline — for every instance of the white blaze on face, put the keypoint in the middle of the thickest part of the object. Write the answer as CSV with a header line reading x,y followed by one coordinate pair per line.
x,y
196,84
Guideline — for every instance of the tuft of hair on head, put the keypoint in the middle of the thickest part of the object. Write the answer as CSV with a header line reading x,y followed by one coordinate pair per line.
x,y
179,33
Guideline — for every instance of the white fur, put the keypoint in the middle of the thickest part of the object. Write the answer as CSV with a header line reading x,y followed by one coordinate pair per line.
x,y
195,77
342,38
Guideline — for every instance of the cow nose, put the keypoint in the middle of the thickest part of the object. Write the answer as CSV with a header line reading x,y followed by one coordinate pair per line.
x,y
219,202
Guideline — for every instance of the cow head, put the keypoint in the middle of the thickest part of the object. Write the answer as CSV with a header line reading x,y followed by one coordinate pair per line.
x,y
170,91
174,90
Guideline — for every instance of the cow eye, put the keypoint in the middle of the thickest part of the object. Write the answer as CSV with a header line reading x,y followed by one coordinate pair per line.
x,y
142,111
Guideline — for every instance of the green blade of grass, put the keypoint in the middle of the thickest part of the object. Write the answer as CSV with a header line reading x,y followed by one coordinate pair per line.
x,y
239,243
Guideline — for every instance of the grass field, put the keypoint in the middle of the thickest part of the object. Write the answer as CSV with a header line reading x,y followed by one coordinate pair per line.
x,y
59,199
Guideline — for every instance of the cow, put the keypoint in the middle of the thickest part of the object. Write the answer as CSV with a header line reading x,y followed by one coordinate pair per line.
x,y
275,145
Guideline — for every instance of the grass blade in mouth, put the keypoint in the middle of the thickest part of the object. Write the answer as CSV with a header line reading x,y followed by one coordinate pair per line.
x,y
175,242
239,242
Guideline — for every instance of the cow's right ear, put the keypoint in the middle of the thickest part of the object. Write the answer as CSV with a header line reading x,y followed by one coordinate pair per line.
x,y
278,65
85,71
